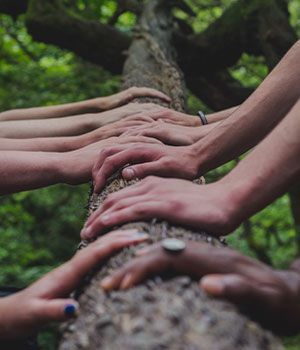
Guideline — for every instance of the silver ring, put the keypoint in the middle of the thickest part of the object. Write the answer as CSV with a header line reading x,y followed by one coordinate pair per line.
x,y
173,245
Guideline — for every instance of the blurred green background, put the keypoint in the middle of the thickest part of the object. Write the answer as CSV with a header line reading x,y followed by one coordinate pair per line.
x,y
40,229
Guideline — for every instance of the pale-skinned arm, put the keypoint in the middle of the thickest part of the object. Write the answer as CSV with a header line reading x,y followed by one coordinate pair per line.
x,y
245,128
73,125
70,143
89,106
264,175
21,170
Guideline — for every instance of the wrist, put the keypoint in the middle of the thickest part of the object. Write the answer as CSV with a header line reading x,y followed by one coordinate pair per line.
x,y
97,104
65,165
10,319
200,157
236,195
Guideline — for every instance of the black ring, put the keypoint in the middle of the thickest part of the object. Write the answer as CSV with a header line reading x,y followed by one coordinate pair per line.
x,y
203,118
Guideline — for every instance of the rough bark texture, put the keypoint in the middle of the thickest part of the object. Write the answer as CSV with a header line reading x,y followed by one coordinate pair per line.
x,y
168,312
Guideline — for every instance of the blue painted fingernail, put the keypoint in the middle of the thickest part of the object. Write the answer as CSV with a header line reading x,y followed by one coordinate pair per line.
x,y
70,310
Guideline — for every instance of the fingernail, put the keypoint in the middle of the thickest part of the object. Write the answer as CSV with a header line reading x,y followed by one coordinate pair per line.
x,y
141,234
87,233
70,310
128,173
126,283
106,283
213,285
142,251
105,218
139,237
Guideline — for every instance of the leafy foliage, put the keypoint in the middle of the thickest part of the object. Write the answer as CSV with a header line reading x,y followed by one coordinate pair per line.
x,y
39,229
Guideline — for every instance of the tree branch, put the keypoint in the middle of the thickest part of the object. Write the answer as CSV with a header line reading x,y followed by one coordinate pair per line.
x,y
49,22
218,90
13,8
254,27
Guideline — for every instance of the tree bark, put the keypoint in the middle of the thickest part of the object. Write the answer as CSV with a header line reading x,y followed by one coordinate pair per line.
x,y
169,312
49,21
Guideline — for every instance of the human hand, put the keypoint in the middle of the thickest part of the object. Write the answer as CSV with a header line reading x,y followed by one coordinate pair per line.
x,y
170,134
75,167
270,296
144,160
114,129
206,207
47,300
126,96
134,111
170,116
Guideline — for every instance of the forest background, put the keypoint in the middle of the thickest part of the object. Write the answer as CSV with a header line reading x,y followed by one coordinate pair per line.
x,y
40,229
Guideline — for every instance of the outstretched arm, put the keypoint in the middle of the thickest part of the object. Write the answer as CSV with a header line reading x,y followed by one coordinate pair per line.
x,y
256,117
95,105
242,130
70,143
70,126
21,171
265,174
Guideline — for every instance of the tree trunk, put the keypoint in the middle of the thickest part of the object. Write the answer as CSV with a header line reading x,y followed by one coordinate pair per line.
x,y
168,313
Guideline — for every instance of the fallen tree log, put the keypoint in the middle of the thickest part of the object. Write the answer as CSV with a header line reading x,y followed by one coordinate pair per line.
x,y
162,313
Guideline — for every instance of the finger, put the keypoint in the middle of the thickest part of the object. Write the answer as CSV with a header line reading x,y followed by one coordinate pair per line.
x,y
149,92
154,262
61,281
114,198
108,167
140,138
142,117
104,154
240,290
56,310
140,171
130,191
172,121
125,203
134,213
113,163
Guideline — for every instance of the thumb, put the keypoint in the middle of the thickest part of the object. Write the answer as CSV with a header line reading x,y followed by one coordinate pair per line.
x,y
231,286
142,170
56,310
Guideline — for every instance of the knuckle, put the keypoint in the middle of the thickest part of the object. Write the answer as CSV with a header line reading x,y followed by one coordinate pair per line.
x,y
175,205
104,152
141,210
168,162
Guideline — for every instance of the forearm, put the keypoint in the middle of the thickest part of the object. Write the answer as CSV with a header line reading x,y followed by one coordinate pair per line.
x,y
256,117
45,144
199,132
22,171
221,115
69,109
67,126
268,171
